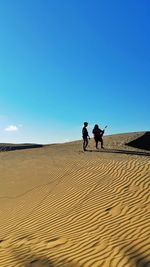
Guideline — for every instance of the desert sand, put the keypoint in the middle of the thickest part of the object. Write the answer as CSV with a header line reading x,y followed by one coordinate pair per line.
x,y
60,206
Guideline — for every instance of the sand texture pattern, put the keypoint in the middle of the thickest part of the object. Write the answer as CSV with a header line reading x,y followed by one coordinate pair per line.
x,y
60,206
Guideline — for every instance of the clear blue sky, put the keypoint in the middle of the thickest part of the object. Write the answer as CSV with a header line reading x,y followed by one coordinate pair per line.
x,y
63,62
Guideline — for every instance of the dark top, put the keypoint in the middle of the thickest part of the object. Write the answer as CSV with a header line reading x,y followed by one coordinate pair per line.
x,y
98,133
84,132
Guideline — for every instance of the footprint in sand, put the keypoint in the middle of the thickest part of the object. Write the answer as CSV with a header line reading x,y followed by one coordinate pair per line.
x,y
114,211
4,243
40,263
134,188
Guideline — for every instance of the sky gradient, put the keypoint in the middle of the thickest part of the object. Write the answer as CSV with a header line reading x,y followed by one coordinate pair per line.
x,y
66,62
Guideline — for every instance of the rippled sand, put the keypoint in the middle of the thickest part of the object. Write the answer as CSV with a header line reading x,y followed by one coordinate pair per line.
x,y
62,207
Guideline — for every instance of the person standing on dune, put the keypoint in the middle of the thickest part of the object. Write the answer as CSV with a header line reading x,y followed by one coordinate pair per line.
x,y
85,136
98,133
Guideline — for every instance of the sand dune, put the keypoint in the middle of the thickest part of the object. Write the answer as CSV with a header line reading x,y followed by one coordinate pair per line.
x,y
62,207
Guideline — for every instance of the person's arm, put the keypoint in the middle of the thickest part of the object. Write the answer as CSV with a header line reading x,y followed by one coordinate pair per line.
x,y
101,132
88,135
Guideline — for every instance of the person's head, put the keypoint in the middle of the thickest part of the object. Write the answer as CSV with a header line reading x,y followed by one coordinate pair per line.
x,y
85,124
96,126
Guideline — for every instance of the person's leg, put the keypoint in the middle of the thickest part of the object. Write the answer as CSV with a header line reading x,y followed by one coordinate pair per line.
x,y
96,143
101,140
86,143
83,144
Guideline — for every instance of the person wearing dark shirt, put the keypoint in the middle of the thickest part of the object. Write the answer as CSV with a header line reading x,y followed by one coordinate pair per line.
x,y
98,133
85,136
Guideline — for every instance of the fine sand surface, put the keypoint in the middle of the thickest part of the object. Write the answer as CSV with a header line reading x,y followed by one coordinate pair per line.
x,y
62,207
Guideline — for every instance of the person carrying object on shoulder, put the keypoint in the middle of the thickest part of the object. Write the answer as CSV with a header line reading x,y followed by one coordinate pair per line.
x,y
98,133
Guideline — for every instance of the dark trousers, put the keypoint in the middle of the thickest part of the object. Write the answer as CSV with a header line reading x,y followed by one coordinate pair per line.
x,y
99,140
85,143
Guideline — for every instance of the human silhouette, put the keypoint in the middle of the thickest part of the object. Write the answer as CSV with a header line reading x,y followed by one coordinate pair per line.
x,y
85,136
98,133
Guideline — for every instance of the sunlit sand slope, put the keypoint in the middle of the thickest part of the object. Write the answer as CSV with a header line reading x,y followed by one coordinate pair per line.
x,y
62,207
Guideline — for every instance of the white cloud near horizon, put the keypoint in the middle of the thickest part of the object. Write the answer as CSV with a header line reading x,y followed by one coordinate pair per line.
x,y
11,128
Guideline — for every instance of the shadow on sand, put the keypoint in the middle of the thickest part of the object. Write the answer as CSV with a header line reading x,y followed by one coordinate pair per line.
x,y
39,263
8,147
136,258
142,142
29,259
121,151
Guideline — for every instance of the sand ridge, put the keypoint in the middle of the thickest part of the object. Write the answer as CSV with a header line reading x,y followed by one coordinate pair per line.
x,y
63,207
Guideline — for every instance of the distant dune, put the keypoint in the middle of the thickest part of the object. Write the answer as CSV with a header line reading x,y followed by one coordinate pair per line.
x,y
60,206
10,147
142,141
